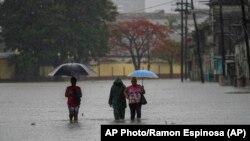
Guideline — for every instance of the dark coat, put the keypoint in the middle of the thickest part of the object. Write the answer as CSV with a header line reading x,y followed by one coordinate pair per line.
x,y
117,97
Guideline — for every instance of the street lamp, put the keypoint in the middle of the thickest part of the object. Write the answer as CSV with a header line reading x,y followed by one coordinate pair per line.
x,y
59,55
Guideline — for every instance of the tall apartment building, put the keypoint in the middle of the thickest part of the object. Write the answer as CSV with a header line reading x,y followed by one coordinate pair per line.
x,y
130,6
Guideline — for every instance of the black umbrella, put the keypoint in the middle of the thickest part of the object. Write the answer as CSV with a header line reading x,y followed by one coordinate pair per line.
x,y
71,69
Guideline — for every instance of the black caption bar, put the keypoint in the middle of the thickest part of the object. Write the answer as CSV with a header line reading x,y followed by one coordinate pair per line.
x,y
187,132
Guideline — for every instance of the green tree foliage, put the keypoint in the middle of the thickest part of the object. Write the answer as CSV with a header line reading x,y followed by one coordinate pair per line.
x,y
47,32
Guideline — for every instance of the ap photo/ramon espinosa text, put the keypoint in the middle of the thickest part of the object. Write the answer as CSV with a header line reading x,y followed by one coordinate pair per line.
x,y
193,132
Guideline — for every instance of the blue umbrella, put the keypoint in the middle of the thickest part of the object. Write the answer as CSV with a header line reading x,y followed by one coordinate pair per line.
x,y
143,74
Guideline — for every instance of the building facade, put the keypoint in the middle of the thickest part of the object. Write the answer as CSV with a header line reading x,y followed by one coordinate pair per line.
x,y
130,6
229,49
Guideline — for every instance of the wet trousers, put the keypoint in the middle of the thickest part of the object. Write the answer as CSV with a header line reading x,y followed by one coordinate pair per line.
x,y
119,112
135,109
73,112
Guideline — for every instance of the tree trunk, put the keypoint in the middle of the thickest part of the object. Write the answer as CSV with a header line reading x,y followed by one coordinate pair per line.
x,y
170,69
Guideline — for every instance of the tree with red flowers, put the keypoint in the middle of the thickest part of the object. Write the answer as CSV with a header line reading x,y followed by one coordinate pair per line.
x,y
138,38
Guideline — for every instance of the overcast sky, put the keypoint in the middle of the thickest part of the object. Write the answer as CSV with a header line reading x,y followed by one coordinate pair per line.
x,y
169,5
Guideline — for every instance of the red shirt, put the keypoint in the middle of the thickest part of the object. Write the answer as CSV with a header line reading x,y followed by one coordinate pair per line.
x,y
69,91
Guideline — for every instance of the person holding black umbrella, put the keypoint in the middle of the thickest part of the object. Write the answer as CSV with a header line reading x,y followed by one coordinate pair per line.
x,y
74,94
134,93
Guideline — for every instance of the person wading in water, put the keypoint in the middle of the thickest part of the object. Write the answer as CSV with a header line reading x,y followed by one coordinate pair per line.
x,y
74,94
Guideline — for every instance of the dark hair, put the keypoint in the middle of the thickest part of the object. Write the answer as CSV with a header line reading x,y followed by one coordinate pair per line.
x,y
133,79
73,79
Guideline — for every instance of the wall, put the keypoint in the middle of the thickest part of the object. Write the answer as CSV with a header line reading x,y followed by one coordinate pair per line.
x,y
102,70
123,69
6,71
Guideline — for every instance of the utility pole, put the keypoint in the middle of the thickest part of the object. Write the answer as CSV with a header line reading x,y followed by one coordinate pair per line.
x,y
185,46
181,40
244,23
181,11
198,44
180,2
222,46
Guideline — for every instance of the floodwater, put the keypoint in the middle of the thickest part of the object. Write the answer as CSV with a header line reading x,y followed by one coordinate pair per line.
x,y
38,111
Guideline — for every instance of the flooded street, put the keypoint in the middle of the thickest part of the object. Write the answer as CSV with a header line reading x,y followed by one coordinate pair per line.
x,y
38,111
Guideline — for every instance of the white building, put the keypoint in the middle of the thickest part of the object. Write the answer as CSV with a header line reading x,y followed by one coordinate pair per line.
x,y
130,6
